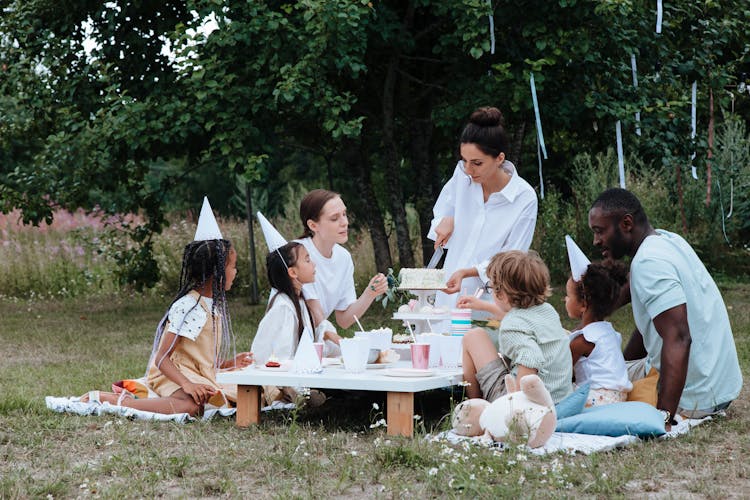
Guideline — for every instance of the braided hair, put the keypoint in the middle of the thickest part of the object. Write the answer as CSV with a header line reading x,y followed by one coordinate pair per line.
x,y
600,286
203,261
278,263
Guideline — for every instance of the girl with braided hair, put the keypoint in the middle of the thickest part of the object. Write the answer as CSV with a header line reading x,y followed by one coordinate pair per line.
x,y
194,338
596,345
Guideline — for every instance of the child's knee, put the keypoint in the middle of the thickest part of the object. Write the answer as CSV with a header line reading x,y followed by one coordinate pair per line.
x,y
473,336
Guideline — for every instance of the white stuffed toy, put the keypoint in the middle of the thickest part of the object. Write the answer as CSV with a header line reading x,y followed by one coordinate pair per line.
x,y
526,414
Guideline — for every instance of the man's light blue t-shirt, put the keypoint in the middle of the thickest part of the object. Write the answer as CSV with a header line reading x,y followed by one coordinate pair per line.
x,y
665,273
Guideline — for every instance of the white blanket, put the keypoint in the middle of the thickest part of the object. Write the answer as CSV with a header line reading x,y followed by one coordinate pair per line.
x,y
73,405
573,443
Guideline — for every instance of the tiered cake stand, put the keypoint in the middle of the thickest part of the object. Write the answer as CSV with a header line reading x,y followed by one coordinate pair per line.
x,y
419,320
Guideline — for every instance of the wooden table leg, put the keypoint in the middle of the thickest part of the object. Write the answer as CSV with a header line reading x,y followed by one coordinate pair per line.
x,y
248,405
400,413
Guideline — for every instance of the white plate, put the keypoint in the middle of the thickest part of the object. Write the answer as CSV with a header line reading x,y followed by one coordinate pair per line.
x,y
285,366
332,362
409,372
378,366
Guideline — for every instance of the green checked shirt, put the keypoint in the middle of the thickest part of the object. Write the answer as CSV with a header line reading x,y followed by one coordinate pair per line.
x,y
535,338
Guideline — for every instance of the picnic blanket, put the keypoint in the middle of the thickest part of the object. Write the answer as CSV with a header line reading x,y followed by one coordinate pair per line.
x,y
572,443
75,406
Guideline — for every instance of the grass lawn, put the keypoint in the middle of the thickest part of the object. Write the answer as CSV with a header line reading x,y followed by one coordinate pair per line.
x,y
68,347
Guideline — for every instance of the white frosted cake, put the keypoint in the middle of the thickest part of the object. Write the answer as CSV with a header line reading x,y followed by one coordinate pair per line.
x,y
421,279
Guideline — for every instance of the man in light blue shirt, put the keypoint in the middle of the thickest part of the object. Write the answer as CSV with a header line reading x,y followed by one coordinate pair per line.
x,y
683,325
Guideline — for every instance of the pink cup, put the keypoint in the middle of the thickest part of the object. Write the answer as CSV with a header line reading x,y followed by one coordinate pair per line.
x,y
420,355
319,349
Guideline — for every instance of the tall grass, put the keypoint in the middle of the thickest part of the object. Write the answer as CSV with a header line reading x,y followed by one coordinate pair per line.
x,y
73,256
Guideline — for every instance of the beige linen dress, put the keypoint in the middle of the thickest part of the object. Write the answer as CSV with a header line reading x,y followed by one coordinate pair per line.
x,y
196,360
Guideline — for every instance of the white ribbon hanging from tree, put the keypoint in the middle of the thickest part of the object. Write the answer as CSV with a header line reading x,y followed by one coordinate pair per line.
x,y
492,28
635,86
541,178
693,124
620,160
659,15
541,149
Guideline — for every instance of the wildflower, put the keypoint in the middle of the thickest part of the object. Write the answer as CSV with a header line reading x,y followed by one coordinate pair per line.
x,y
354,453
432,472
464,383
417,417
472,477
375,406
379,423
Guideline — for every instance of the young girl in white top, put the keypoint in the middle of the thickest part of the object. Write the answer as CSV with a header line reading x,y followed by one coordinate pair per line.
x,y
326,228
596,347
287,318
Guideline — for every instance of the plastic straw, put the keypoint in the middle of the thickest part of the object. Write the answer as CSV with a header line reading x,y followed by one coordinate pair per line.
x,y
361,328
430,325
408,325
479,292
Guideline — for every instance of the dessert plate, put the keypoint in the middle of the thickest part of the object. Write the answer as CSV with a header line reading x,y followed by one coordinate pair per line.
x,y
285,366
332,362
378,366
409,372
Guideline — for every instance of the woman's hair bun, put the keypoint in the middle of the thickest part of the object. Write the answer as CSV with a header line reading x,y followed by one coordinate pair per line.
x,y
487,117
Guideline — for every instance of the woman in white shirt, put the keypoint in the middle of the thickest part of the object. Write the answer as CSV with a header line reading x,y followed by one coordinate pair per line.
x,y
485,208
326,228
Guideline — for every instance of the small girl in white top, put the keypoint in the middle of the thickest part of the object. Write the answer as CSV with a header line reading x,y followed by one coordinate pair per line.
x,y
287,318
596,346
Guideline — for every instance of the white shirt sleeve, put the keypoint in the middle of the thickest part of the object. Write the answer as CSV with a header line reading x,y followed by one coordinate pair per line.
x,y
277,332
187,317
445,205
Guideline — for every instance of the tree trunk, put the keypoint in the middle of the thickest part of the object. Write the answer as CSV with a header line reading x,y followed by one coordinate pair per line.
x,y
393,170
253,269
516,143
371,211
426,174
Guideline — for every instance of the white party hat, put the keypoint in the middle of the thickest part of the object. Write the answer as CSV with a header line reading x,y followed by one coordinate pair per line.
x,y
578,260
306,359
274,239
207,228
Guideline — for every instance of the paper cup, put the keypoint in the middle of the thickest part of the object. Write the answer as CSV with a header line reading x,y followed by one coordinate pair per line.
x,y
354,352
378,339
420,356
434,340
319,350
451,350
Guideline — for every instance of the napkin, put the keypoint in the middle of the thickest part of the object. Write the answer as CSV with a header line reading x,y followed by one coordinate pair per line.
x,y
306,359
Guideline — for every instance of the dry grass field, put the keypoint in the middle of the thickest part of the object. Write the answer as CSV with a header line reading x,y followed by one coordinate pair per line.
x,y
68,346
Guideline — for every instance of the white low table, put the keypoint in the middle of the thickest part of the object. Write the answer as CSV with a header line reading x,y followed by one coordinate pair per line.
x,y
399,400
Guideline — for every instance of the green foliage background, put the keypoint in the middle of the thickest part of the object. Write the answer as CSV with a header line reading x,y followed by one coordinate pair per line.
x,y
366,98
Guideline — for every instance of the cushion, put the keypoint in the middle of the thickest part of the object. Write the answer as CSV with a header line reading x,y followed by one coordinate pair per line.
x,y
631,417
645,389
573,403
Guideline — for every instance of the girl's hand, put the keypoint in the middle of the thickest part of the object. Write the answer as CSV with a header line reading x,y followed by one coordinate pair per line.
x,y
200,393
453,284
333,337
378,285
444,230
242,360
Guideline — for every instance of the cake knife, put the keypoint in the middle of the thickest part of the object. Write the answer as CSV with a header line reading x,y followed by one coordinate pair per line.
x,y
435,258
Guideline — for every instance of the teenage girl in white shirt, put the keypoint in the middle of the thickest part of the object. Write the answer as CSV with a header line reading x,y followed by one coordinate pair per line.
x,y
326,228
